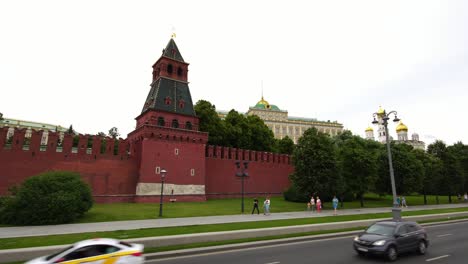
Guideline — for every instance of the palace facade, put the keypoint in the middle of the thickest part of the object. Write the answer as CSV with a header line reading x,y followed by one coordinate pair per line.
x,y
283,125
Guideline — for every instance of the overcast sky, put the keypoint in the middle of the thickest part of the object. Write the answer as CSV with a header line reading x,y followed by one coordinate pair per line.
x,y
88,63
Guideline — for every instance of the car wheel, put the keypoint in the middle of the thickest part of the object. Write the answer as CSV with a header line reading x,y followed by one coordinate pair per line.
x,y
392,253
422,247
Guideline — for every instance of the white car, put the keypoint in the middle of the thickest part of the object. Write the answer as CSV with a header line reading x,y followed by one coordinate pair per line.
x,y
96,251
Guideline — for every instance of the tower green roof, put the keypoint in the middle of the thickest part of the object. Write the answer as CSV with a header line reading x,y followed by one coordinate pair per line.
x,y
170,96
171,51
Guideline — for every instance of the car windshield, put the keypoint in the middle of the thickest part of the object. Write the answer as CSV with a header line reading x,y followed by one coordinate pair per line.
x,y
381,229
56,254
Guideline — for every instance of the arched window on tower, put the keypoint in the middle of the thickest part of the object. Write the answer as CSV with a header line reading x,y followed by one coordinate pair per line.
x,y
169,69
179,71
188,125
175,123
161,121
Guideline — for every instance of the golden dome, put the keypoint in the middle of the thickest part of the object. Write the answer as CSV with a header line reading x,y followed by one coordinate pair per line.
x,y
369,129
381,111
263,102
401,127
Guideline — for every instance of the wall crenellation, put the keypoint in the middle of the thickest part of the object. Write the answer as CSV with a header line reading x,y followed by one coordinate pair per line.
x,y
53,143
218,152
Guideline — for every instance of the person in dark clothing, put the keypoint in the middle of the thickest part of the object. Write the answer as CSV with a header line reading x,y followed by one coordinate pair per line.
x,y
255,206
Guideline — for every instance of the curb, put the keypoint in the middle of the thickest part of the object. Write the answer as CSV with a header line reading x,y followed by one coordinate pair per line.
x,y
11,255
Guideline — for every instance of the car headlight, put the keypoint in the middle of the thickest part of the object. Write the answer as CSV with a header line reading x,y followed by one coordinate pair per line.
x,y
379,243
356,238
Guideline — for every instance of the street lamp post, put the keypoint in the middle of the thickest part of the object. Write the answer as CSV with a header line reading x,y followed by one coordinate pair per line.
x,y
163,175
396,210
242,173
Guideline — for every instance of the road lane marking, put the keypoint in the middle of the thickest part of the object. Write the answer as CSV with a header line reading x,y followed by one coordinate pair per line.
x,y
276,262
436,258
444,235
283,243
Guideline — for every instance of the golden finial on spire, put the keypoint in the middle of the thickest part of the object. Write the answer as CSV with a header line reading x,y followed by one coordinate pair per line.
x,y
173,35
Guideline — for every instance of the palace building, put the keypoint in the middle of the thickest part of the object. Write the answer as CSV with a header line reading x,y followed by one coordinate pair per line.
x,y
283,125
13,124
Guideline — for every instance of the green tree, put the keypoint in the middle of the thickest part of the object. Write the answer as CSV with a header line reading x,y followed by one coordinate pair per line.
x,y
248,132
454,169
315,164
344,192
261,137
210,122
357,164
114,132
452,176
237,133
70,130
408,170
285,145
460,153
432,173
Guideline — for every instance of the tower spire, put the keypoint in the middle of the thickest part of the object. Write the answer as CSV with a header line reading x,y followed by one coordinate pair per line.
x,y
262,89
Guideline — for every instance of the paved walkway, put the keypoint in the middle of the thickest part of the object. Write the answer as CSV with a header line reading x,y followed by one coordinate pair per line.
x,y
24,231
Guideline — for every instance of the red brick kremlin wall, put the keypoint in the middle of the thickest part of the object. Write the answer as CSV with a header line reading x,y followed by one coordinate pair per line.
x,y
113,177
268,172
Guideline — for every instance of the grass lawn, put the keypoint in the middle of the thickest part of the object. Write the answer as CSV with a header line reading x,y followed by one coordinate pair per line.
x,y
21,242
139,211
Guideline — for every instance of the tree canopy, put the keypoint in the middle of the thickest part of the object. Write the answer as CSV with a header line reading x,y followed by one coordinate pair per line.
x,y
315,164
114,132
285,145
350,166
236,130
210,122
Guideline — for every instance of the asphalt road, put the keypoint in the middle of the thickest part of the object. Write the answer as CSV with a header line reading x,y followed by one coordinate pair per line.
x,y
449,244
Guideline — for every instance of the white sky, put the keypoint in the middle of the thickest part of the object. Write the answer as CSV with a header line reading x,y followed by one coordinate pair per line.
x,y
88,63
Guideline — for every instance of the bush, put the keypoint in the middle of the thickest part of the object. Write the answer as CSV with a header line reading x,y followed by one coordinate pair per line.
x,y
55,197
293,195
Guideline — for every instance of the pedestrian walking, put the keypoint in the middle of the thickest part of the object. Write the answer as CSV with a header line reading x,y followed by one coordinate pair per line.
x,y
397,201
255,206
266,206
312,203
335,204
318,203
465,197
403,202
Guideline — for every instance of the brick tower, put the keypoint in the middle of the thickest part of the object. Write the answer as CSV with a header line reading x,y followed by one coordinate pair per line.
x,y
167,136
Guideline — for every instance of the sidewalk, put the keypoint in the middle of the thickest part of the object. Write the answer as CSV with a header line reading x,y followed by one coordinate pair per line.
x,y
6,232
